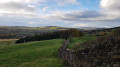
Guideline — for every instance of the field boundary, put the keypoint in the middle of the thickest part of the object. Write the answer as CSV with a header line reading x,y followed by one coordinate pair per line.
x,y
88,57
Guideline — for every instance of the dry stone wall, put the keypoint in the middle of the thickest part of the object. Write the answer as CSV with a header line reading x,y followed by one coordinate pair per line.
x,y
96,56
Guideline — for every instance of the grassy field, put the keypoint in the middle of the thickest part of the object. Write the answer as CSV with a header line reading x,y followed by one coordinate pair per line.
x,y
78,40
4,42
36,54
32,54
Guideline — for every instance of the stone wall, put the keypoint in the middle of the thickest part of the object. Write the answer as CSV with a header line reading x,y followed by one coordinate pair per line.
x,y
96,56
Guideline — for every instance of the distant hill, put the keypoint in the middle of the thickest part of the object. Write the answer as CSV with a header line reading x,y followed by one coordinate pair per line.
x,y
92,28
21,31
15,32
33,28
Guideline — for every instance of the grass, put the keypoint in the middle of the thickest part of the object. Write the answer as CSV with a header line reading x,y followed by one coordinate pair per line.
x,y
32,54
36,54
52,28
4,42
78,40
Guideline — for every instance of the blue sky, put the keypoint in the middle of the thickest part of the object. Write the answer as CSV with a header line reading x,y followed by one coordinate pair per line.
x,y
64,13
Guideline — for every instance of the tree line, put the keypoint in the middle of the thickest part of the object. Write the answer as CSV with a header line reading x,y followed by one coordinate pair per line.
x,y
52,35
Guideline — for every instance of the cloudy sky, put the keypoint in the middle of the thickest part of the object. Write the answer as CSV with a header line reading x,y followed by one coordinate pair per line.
x,y
64,13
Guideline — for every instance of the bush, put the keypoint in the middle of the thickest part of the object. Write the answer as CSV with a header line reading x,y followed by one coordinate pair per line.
x,y
116,32
73,32
107,40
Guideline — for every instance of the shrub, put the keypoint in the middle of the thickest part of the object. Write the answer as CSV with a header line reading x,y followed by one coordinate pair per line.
x,y
73,32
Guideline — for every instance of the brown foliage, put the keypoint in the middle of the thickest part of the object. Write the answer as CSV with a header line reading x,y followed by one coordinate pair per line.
x,y
73,32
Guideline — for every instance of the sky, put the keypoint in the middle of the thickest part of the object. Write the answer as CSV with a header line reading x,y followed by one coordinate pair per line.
x,y
63,13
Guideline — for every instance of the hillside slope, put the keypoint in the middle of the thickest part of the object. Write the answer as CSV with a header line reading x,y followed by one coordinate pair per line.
x,y
32,54
102,52
15,32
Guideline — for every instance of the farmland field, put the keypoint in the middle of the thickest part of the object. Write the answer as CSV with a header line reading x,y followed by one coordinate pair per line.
x,y
32,54
4,42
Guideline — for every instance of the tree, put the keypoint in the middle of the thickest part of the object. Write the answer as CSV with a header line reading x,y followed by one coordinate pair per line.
x,y
73,32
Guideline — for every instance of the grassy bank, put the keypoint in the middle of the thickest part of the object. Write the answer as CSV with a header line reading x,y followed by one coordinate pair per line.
x,y
78,40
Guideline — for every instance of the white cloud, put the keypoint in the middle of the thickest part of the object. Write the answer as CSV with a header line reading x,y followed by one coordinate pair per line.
x,y
106,26
112,5
14,7
81,25
31,23
20,6
6,1
27,11
23,1
64,2
111,8
109,12
45,9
